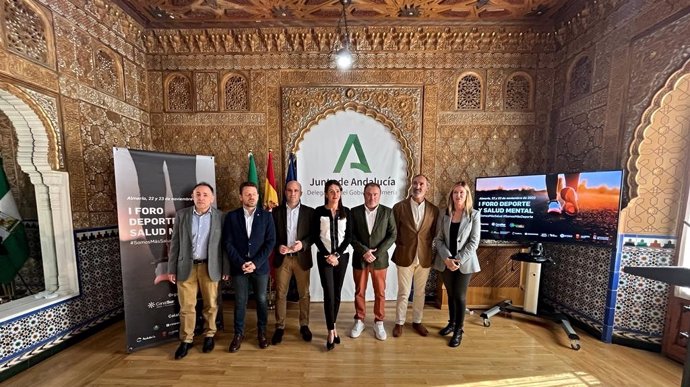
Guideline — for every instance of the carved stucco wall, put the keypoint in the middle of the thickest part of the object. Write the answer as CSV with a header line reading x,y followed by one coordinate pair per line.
x,y
662,159
608,114
633,53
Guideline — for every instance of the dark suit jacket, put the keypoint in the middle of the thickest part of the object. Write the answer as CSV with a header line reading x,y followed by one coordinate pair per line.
x,y
303,234
256,248
382,236
181,254
410,241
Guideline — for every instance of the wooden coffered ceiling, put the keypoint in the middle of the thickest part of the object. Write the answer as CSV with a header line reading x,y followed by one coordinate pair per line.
x,y
285,13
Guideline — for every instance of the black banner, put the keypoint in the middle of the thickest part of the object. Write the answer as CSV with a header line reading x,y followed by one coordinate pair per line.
x,y
150,188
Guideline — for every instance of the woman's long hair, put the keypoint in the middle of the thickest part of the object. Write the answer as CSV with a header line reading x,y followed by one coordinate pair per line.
x,y
468,198
329,183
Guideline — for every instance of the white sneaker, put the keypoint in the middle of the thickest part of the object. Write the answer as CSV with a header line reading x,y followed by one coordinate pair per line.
x,y
379,331
357,329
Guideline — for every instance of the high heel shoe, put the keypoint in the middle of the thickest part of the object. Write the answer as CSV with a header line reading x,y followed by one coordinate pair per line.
x,y
336,340
450,328
330,344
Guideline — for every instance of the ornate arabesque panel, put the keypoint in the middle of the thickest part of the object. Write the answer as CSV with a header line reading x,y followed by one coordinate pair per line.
x,y
105,22
28,31
206,91
365,61
155,87
580,78
107,67
662,162
136,92
518,92
655,58
75,154
74,56
579,141
231,161
470,92
101,130
495,83
47,109
178,93
380,40
234,92
69,87
464,152
397,108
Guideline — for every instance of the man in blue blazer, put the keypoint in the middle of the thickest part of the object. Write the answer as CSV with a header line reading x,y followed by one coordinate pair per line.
x,y
248,238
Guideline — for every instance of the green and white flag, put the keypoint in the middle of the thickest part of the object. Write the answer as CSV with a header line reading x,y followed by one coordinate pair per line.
x,y
14,249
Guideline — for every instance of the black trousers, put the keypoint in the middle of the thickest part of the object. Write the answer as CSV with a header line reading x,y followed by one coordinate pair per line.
x,y
332,278
456,287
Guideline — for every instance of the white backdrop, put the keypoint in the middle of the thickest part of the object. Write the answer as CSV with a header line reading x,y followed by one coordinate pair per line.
x,y
317,161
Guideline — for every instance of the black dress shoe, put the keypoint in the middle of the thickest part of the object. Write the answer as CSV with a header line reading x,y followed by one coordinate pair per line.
x,y
182,350
306,333
456,339
236,343
263,342
448,329
277,336
209,344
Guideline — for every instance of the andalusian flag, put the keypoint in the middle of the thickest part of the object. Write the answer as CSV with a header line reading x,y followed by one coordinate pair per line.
x,y
252,176
14,249
270,193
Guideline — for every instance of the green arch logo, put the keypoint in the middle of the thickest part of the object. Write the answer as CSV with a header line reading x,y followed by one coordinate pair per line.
x,y
362,164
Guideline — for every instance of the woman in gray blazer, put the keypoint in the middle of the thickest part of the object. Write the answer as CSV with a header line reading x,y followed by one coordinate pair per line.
x,y
457,239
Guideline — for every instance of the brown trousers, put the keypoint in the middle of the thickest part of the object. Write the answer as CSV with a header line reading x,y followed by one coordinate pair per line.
x,y
187,292
289,268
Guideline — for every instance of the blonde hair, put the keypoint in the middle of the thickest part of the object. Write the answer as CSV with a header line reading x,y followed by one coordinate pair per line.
x,y
468,198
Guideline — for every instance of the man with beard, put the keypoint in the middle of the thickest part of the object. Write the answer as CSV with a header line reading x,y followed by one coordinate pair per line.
x,y
415,218
248,238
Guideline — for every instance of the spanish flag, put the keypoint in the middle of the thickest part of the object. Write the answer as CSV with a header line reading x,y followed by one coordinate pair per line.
x,y
270,193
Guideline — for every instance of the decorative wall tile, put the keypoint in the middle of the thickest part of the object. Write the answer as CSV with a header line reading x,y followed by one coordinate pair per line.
x,y
98,260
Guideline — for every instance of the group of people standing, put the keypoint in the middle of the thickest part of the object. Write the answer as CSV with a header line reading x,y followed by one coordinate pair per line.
x,y
207,247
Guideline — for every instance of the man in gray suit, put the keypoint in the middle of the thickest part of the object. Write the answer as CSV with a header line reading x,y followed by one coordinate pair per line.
x,y
196,262
373,234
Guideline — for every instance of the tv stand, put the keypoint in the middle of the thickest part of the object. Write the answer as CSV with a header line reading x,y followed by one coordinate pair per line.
x,y
534,260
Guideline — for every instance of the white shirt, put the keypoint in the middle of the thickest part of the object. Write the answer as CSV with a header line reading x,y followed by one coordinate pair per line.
x,y
292,219
249,220
417,212
371,217
418,216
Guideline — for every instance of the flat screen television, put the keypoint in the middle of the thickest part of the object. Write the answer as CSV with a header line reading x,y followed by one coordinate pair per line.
x,y
578,207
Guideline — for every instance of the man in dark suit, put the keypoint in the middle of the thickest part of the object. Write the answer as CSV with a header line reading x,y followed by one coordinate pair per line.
x,y
196,261
248,238
415,220
292,256
373,234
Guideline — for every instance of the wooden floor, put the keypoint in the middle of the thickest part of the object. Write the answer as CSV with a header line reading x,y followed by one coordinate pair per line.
x,y
517,351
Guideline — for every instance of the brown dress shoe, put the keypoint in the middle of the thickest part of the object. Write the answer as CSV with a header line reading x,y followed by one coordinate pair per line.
x,y
263,343
397,330
420,328
236,343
